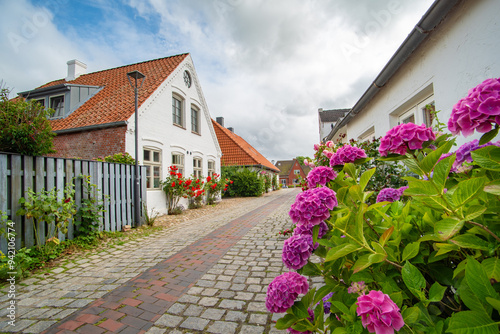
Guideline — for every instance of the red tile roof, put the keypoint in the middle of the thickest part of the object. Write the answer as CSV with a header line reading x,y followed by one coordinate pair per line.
x,y
237,152
115,102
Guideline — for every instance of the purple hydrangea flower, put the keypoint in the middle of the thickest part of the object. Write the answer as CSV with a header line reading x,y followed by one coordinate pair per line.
x,y
379,314
296,251
390,194
478,111
464,152
326,304
346,154
403,137
320,175
283,291
313,206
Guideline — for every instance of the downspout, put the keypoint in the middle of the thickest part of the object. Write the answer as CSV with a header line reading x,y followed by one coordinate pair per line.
x,y
431,19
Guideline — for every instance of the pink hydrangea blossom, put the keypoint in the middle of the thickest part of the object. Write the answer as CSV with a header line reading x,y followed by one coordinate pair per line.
x,y
478,111
296,250
347,154
283,290
390,194
320,176
308,229
313,206
403,137
379,314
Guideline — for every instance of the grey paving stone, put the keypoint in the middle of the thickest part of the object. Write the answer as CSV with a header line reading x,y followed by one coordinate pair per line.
x,y
39,327
232,304
156,330
195,323
208,301
213,314
177,308
219,327
246,329
193,310
236,316
260,319
168,320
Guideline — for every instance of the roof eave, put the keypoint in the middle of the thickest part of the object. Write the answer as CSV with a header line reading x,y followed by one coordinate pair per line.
x,y
431,19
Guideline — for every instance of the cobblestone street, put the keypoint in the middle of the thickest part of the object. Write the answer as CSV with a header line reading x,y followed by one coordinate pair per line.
x,y
198,276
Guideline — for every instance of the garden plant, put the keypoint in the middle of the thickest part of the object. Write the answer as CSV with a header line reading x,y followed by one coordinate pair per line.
x,y
415,258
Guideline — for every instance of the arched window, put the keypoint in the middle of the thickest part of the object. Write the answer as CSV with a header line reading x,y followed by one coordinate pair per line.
x,y
178,161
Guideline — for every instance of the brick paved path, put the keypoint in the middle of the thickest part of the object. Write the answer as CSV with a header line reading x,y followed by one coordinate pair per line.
x,y
215,284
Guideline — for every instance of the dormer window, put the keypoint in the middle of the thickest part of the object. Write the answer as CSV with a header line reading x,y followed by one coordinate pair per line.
x,y
57,103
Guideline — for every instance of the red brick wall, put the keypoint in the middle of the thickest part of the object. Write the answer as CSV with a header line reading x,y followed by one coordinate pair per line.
x,y
90,144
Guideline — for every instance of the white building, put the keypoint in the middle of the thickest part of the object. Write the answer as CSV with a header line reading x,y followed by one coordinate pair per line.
x,y
96,117
453,48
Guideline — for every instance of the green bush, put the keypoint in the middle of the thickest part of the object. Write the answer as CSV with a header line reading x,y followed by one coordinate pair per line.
x,y
24,126
246,183
120,158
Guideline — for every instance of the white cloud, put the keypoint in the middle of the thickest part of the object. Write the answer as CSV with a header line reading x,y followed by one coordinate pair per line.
x,y
266,66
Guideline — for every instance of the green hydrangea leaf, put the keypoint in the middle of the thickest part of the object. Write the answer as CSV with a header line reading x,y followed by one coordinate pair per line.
x,y
469,322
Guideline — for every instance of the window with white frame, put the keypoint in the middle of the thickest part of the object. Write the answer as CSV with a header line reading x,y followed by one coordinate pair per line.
x,y
152,162
197,167
57,103
177,110
178,161
296,172
195,119
368,135
419,113
211,168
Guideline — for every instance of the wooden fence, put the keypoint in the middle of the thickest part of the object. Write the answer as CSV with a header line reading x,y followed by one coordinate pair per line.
x,y
18,173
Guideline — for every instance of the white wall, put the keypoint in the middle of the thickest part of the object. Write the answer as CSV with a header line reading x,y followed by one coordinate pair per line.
x,y
462,52
156,130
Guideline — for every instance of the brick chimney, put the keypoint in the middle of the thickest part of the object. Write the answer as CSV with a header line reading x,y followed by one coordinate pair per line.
x,y
75,69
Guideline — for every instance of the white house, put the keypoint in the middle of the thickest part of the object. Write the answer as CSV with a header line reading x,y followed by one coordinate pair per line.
x,y
95,116
454,47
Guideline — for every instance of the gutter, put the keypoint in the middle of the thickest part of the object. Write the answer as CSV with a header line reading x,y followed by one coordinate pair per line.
x,y
431,19
92,127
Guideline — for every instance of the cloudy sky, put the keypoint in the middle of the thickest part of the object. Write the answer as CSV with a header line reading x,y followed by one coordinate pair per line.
x,y
266,66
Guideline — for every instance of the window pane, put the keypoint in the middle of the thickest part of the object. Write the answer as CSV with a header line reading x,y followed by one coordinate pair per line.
x,y
156,171
156,182
147,156
156,156
148,171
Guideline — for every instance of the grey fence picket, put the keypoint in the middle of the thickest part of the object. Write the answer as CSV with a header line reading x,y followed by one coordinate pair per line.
x,y
3,198
115,184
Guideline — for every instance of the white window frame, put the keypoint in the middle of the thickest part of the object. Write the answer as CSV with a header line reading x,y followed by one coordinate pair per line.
x,y
296,171
211,168
196,127
59,111
419,113
198,167
177,119
152,165
368,135
178,161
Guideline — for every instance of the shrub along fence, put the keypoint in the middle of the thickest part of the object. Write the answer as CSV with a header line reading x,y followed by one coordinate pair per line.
x,y
18,173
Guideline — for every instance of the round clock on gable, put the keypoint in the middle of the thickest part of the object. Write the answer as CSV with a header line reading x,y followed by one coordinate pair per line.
x,y
187,79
